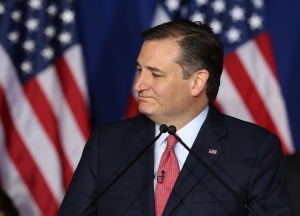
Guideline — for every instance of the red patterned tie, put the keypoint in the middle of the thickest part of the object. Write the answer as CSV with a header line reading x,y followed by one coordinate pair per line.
x,y
168,172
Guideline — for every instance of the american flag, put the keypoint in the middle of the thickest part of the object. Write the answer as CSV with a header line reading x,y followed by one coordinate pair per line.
x,y
44,119
249,84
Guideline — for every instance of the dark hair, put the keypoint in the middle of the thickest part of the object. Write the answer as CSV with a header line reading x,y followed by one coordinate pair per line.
x,y
199,49
6,205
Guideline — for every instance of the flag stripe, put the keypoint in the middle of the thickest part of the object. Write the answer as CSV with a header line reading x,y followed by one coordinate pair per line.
x,y
29,128
247,89
72,94
71,136
160,16
46,117
75,62
267,85
232,103
132,108
13,183
46,102
25,164
263,42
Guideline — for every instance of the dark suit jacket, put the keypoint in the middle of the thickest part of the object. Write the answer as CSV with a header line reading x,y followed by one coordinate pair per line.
x,y
249,159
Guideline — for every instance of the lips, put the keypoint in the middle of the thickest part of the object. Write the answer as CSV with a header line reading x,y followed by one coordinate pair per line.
x,y
144,99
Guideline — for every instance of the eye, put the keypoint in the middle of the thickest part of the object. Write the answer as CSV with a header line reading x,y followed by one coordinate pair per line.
x,y
138,70
156,75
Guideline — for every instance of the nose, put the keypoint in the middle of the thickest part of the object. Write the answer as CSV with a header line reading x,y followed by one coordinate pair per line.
x,y
140,83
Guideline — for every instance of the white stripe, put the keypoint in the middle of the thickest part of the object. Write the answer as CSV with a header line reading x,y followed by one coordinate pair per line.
x,y
75,61
71,136
12,182
29,128
160,16
268,87
231,101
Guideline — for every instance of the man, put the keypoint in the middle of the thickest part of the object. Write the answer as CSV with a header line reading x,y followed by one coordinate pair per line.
x,y
179,69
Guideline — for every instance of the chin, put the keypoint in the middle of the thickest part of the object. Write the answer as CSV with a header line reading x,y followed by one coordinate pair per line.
x,y
145,110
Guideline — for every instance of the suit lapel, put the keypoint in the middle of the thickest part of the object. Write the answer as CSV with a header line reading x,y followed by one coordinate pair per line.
x,y
143,168
208,148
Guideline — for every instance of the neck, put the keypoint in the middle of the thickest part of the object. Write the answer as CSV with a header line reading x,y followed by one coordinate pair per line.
x,y
177,122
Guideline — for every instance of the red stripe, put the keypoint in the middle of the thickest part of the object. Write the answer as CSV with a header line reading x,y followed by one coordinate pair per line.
x,y
48,120
132,109
249,94
218,106
25,164
264,44
73,95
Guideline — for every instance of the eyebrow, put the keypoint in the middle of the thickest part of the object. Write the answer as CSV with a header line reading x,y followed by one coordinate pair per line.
x,y
152,69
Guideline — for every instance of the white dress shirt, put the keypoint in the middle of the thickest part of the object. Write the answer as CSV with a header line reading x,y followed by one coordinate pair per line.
x,y
188,134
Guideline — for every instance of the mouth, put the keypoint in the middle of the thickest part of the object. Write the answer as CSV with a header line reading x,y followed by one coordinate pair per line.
x,y
144,98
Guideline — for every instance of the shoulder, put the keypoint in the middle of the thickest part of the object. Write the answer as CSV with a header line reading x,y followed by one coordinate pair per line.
x,y
111,134
252,139
238,126
233,123
240,133
124,124
121,128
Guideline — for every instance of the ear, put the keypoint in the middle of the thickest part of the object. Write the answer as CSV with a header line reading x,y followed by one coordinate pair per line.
x,y
199,80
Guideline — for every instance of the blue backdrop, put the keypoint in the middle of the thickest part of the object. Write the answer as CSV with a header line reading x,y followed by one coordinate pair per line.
x,y
110,34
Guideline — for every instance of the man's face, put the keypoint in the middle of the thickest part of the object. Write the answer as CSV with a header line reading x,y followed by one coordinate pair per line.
x,y
163,95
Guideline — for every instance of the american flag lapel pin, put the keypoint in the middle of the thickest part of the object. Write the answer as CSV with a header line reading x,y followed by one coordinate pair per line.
x,y
213,151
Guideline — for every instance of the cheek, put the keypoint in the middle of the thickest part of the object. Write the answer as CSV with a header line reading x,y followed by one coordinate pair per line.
x,y
172,97
180,95
170,92
166,91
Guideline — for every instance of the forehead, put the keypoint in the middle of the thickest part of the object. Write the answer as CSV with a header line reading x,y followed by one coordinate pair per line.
x,y
159,51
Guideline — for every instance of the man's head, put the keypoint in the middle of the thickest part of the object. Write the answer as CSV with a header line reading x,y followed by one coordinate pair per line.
x,y
179,65
199,49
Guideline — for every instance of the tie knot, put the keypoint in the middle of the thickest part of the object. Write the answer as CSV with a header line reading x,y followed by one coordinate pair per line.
x,y
171,141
